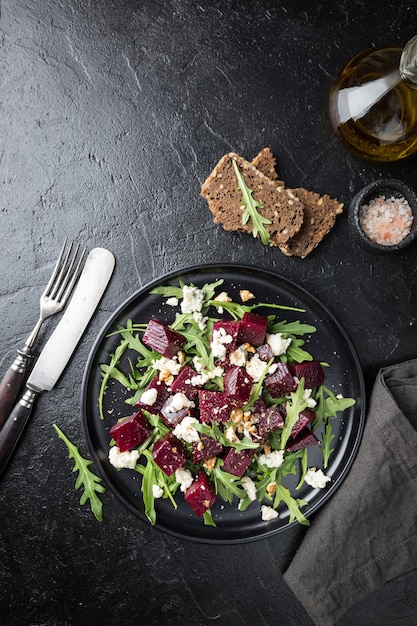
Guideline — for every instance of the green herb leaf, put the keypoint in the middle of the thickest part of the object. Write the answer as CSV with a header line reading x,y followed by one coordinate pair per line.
x,y
86,478
294,406
283,494
251,209
227,485
208,519
327,439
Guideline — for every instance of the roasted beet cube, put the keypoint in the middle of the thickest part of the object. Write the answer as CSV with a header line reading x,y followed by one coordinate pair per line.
x,y
183,382
281,382
259,406
311,371
264,352
206,448
169,453
214,406
200,494
269,420
131,431
175,409
236,462
253,329
237,385
303,440
162,393
161,338
304,418
230,330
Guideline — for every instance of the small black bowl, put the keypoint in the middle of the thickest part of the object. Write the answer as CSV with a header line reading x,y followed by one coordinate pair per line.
x,y
387,187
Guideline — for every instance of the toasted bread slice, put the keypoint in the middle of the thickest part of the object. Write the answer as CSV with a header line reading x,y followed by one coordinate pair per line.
x,y
320,212
266,163
224,198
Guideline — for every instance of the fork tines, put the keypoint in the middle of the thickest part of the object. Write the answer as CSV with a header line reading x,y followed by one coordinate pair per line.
x,y
66,272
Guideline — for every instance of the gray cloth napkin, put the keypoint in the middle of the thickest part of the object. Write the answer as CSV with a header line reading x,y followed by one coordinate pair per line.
x,y
366,534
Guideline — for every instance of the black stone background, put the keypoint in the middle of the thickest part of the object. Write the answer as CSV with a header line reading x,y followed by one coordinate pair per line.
x,y
112,115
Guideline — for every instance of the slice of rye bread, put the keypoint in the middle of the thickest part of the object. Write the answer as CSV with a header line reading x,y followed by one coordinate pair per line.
x,y
266,163
220,189
320,212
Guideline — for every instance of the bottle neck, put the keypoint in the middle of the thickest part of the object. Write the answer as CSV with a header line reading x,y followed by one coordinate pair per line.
x,y
408,63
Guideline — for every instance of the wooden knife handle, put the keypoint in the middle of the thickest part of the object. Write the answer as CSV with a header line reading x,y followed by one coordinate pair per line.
x,y
10,385
14,426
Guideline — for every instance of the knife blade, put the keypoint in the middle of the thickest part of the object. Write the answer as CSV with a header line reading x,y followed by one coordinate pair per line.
x,y
60,346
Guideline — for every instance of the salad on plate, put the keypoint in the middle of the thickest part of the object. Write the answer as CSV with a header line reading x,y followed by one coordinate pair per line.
x,y
224,401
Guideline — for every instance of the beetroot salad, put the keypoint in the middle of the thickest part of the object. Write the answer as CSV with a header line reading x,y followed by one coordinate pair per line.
x,y
224,402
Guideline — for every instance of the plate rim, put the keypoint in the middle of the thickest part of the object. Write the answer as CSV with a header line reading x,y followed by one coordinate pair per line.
x,y
223,267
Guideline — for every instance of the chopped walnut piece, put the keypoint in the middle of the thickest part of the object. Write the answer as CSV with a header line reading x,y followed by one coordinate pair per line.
x,y
272,487
245,295
223,297
236,415
210,463
165,375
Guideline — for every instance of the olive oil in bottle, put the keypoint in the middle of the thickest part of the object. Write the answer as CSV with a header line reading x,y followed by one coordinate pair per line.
x,y
373,103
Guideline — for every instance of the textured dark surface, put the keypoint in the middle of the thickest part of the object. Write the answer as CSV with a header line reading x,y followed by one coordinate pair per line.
x,y
112,115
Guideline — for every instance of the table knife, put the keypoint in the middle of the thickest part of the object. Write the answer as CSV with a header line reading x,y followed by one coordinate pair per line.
x,y
59,348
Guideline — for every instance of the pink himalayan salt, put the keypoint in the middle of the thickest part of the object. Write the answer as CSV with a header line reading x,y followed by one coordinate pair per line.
x,y
386,221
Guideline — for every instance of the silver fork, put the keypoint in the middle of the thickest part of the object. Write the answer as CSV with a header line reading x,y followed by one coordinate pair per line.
x,y
53,300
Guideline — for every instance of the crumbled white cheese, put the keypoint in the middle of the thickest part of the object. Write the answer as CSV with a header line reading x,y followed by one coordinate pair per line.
x,y
239,356
256,368
121,460
201,379
178,402
273,459
268,513
277,343
185,429
247,434
230,434
149,396
311,403
170,365
198,365
172,301
192,300
184,478
200,319
250,487
157,491
219,341
316,478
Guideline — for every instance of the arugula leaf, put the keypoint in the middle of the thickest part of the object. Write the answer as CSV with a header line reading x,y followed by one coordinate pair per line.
x,y
294,406
86,478
296,353
168,291
227,485
208,519
153,475
108,373
258,387
292,328
293,504
251,209
327,439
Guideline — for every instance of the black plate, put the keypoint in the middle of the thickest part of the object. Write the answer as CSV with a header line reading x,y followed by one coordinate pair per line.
x,y
330,344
